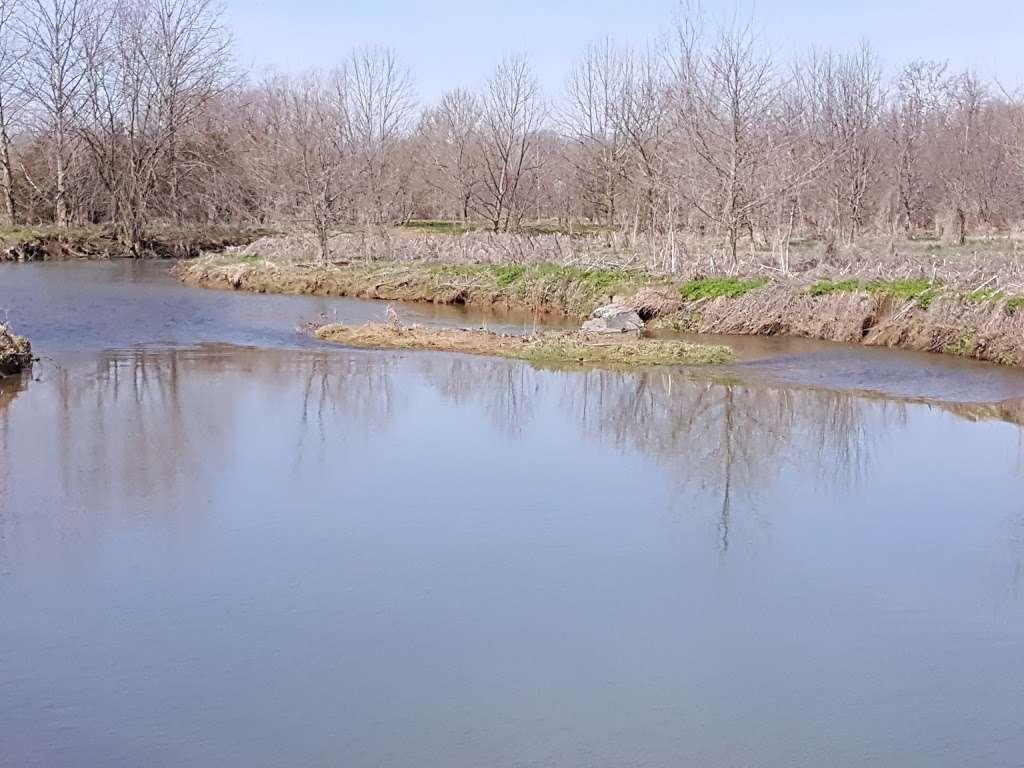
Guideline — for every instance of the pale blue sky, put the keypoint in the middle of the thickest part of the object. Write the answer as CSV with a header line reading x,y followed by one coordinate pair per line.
x,y
451,43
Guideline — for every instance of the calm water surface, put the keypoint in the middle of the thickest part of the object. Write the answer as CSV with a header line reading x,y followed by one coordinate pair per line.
x,y
222,544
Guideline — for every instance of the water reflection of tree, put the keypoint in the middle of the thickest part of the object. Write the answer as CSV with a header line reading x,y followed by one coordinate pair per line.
x,y
137,421
144,418
507,390
727,438
360,390
10,387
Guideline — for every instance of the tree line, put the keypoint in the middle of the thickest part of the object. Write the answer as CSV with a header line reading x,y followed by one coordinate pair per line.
x,y
133,113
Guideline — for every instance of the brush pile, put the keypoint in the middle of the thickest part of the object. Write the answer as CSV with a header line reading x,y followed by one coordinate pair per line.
x,y
15,352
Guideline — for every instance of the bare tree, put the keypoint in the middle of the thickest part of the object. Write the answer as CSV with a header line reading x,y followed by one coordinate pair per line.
x,y
644,117
842,98
593,119
130,113
918,97
513,114
151,68
381,101
11,100
192,66
51,32
726,95
451,130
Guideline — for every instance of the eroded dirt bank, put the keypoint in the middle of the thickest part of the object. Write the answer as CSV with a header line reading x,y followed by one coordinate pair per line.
x,y
916,314
52,244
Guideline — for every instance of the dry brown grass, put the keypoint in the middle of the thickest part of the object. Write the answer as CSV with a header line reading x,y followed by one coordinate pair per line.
x,y
552,348
990,261
967,302
573,291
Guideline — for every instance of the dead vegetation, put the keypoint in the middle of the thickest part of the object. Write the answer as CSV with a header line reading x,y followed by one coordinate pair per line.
x,y
542,287
949,323
994,263
54,244
547,348
934,299
15,352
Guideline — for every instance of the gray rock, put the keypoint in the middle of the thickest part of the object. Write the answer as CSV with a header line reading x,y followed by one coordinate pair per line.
x,y
613,318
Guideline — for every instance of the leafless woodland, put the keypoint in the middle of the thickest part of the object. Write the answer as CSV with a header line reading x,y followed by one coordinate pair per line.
x,y
130,114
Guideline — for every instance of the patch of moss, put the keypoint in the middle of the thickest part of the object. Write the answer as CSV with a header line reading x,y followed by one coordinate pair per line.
x,y
962,345
719,287
593,278
828,287
920,291
984,294
1014,305
508,275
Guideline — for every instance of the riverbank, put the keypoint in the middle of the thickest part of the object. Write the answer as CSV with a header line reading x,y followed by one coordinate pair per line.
x,y
53,244
545,348
904,310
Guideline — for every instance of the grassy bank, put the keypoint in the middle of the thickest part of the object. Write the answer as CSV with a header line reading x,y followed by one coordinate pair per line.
x,y
972,309
549,348
569,290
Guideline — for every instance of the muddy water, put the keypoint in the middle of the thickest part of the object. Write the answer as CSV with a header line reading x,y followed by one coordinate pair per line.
x,y
223,544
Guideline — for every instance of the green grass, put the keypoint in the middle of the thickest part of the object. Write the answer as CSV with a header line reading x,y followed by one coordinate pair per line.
x,y
630,353
464,270
984,294
921,291
1015,305
508,275
719,287
828,287
594,278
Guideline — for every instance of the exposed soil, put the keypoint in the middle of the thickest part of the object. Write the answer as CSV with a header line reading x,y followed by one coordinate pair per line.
x,y
51,244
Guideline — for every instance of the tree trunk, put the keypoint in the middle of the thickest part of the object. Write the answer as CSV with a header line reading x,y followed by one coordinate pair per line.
x,y
61,214
7,179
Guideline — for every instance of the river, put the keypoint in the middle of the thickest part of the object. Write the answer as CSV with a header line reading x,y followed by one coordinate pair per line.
x,y
225,544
